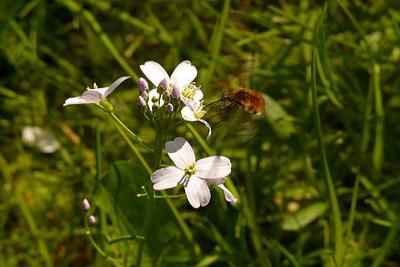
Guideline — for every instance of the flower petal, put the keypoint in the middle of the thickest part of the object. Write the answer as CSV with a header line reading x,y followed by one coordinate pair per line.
x,y
184,73
187,114
154,72
213,167
229,197
198,95
208,126
114,85
154,94
88,97
168,177
197,192
180,152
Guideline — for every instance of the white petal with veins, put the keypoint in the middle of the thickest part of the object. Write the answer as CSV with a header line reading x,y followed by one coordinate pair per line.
x,y
213,167
88,97
187,114
197,192
180,152
168,177
229,197
114,85
184,73
154,72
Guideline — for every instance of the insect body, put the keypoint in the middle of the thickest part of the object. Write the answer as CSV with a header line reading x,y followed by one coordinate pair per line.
x,y
248,99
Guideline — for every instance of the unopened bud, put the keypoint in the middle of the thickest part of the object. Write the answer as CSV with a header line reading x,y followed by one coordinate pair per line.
x,y
145,95
164,83
167,94
85,204
92,220
106,105
169,107
143,85
176,92
141,101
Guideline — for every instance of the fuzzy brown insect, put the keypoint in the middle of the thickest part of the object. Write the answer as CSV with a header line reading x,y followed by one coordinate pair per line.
x,y
248,99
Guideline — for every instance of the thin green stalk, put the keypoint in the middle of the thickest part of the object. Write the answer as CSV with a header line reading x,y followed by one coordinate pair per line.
x,y
337,222
125,238
367,116
133,147
159,142
182,224
123,126
352,212
34,230
216,42
289,256
88,16
388,244
96,246
379,143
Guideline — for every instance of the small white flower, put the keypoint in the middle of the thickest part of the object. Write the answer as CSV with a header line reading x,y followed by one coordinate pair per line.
x,y
191,93
154,99
40,138
193,175
182,76
94,96
194,111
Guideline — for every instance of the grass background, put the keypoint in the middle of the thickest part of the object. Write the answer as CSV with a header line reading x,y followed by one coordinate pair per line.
x,y
318,185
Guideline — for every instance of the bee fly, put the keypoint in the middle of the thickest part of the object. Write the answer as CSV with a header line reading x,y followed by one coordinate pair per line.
x,y
248,99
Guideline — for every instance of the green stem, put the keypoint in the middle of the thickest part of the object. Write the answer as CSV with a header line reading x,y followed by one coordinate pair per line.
x,y
124,238
150,208
34,230
104,38
96,246
133,147
339,246
182,224
123,126
388,244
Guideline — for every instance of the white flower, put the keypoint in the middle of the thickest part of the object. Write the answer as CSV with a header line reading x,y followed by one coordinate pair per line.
x,y
191,93
154,99
40,138
194,111
193,175
94,96
182,76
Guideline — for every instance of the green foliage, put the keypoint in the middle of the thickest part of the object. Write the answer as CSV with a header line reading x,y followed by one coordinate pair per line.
x,y
317,174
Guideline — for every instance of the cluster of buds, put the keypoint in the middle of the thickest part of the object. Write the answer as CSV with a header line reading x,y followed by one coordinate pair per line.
x,y
86,207
161,96
172,98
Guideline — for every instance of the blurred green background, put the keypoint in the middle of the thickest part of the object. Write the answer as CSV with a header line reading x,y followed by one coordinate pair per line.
x,y
51,50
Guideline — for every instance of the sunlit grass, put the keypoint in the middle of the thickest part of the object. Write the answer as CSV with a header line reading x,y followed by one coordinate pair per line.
x,y
317,173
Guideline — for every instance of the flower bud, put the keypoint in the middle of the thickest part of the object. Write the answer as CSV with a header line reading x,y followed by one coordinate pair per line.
x,y
106,105
145,95
164,83
176,91
85,204
92,220
143,85
169,107
141,101
167,94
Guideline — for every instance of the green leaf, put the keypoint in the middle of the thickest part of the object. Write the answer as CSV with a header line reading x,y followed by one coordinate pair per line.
x,y
297,220
116,193
281,122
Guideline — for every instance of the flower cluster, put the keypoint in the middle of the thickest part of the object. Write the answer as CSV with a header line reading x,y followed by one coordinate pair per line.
x,y
168,101
176,93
